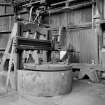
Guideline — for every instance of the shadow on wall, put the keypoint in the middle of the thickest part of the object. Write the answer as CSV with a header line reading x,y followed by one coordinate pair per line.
x,y
73,57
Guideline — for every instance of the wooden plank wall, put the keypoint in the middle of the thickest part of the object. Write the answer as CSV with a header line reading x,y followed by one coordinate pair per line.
x,y
83,41
73,17
3,40
104,8
56,20
6,22
80,16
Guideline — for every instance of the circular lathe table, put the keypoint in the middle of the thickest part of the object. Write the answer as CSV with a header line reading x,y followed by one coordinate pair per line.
x,y
46,80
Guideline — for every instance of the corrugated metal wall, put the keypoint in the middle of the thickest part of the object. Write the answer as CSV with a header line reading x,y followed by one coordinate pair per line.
x,y
88,43
73,44
83,45
73,40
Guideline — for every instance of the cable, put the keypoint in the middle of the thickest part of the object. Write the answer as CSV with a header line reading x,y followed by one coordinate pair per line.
x,y
30,17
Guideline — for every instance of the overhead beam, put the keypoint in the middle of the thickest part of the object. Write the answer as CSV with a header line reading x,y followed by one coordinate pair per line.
x,y
76,6
5,4
62,2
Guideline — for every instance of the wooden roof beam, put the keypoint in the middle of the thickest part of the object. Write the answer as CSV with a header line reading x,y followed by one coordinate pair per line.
x,y
76,6
5,4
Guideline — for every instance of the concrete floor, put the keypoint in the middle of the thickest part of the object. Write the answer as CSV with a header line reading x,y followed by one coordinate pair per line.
x,y
83,93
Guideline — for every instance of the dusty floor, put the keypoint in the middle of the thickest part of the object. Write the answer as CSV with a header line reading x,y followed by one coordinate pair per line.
x,y
83,93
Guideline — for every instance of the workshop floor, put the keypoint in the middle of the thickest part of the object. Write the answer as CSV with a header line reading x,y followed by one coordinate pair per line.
x,y
83,93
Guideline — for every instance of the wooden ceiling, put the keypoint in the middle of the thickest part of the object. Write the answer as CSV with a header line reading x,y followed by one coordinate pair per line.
x,y
21,1
48,1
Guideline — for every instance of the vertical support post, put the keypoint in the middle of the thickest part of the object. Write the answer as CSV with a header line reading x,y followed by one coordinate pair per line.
x,y
93,8
15,65
48,56
98,17
67,3
99,7
15,58
19,60
99,39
